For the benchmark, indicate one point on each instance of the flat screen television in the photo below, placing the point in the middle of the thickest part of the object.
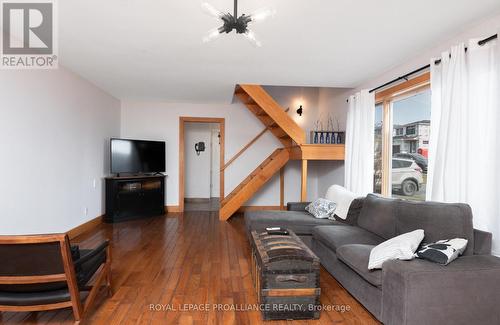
(137, 156)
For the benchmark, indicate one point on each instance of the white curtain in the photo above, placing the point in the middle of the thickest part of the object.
(359, 143)
(464, 153)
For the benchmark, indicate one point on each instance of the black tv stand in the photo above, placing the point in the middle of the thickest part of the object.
(125, 175)
(134, 196)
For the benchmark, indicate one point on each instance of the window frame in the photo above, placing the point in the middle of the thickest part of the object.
(413, 128)
(386, 98)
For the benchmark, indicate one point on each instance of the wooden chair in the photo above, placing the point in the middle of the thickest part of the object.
(43, 272)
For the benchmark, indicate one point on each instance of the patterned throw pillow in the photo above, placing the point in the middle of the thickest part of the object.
(322, 209)
(442, 251)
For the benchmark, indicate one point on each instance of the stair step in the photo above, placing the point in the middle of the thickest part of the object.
(247, 188)
(251, 176)
(253, 106)
(273, 110)
(267, 121)
(245, 98)
(277, 131)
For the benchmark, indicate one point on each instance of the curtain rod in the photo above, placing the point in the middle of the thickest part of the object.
(405, 77)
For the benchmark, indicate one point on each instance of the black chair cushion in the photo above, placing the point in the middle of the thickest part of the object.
(87, 262)
(88, 268)
(33, 298)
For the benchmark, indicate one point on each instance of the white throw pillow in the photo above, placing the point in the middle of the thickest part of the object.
(342, 197)
(401, 247)
(321, 208)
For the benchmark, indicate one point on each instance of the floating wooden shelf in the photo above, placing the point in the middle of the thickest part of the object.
(318, 152)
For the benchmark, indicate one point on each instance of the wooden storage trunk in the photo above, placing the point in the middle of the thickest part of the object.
(286, 276)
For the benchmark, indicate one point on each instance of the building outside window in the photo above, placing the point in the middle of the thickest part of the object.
(416, 137)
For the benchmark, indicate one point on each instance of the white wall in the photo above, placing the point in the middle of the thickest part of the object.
(293, 97)
(332, 103)
(160, 120)
(197, 167)
(54, 131)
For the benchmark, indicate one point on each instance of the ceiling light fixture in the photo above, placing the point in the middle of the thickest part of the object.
(232, 22)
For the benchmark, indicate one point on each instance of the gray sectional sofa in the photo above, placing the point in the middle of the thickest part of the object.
(466, 291)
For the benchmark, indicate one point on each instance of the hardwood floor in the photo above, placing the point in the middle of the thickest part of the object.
(183, 261)
(212, 205)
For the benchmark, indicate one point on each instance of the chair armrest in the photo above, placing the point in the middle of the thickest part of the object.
(482, 242)
(420, 292)
(94, 252)
(297, 206)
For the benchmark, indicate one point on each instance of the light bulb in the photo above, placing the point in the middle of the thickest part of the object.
(211, 10)
(262, 14)
(212, 34)
(252, 38)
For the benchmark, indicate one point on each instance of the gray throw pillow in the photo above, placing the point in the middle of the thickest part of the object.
(322, 209)
(442, 251)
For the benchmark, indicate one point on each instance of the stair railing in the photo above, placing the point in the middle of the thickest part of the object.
(245, 147)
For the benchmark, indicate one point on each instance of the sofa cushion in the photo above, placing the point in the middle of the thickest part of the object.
(339, 235)
(356, 257)
(378, 216)
(299, 222)
(438, 220)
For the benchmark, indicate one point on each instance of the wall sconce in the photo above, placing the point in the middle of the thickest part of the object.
(300, 110)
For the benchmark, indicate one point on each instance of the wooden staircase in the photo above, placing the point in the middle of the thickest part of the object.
(250, 185)
(291, 136)
(271, 114)
(277, 121)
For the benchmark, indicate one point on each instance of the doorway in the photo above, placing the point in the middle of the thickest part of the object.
(201, 158)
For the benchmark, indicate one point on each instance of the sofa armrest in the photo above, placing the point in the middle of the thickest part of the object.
(297, 206)
(482, 242)
(420, 292)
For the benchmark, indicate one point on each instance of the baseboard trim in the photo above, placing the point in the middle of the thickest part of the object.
(196, 200)
(177, 209)
(84, 227)
(172, 209)
(258, 208)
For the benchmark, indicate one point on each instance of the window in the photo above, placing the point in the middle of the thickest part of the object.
(411, 130)
(402, 129)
